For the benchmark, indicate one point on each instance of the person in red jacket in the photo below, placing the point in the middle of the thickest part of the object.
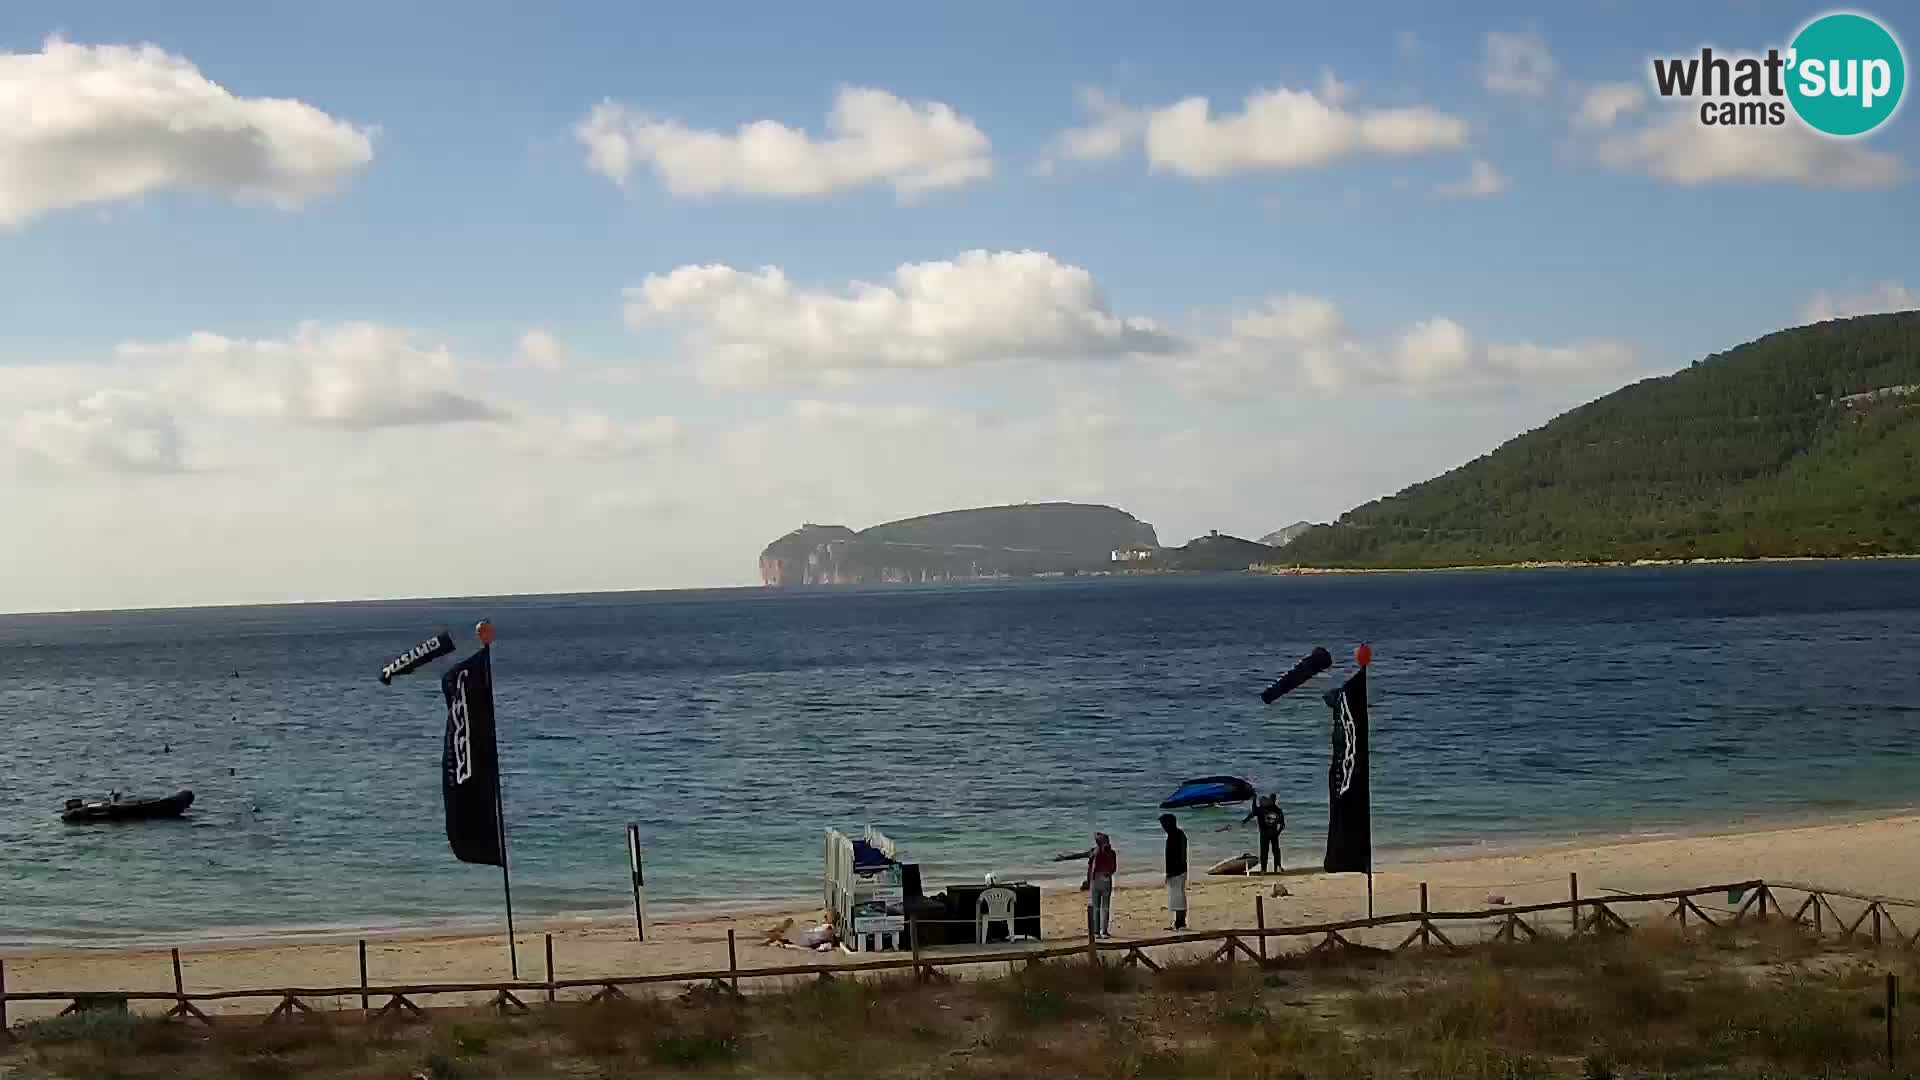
(1102, 863)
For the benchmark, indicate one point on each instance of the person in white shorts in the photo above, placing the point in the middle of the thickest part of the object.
(1176, 871)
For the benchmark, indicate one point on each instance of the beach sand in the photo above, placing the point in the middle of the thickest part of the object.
(1878, 856)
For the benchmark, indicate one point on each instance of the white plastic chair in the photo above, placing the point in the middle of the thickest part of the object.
(996, 905)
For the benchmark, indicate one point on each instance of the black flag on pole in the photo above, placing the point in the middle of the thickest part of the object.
(470, 765)
(1349, 800)
(424, 653)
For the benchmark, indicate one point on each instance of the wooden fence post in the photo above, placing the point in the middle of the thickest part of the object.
(365, 1002)
(1260, 920)
(913, 942)
(6, 1033)
(1426, 934)
(179, 982)
(550, 994)
(1573, 894)
(1893, 1001)
(733, 965)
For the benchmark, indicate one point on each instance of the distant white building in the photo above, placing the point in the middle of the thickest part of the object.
(1136, 553)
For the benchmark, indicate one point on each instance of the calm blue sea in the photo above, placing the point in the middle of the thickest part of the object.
(984, 726)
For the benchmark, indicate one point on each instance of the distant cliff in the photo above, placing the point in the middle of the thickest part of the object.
(993, 541)
(1212, 553)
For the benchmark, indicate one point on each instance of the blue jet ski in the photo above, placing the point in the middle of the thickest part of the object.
(1209, 791)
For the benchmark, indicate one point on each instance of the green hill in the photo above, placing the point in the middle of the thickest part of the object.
(1805, 442)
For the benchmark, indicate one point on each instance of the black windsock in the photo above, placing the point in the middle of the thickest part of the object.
(1315, 662)
(424, 653)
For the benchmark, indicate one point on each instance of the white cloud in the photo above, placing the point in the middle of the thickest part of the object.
(1482, 180)
(1114, 129)
(1433, 350)
(88, 124)
(1582, 358)
(756, 328)
(1275, 130)
(1603, 106)
(637, 502)
(1884, 297)
(1332, 90)
(872, 137)
(589, 435)
(1293, 319)
(1676, 147)
(539, 348)
(351, 375)
(1302, 343)
(110, 431)
(890, 416)
(1518, 64)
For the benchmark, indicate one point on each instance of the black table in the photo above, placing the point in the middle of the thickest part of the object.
(958, 909)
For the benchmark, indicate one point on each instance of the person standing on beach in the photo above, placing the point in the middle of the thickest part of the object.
(1273, 821)
(1102, 863)
(1176, 871)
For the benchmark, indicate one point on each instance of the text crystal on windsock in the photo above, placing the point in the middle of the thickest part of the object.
(1349, 800)
(424, 653)
(470, 763)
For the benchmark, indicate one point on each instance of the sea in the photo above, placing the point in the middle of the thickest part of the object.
(983, 726)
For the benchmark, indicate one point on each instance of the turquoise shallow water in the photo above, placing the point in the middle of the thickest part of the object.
(983, 726)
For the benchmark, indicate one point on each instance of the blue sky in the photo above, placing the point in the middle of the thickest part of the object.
(477, 218)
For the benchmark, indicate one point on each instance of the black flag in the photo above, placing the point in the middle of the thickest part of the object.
(1349, 802)
(470, 765)
(1313, 664)
(424, 653)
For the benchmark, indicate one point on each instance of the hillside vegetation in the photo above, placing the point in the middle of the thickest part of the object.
(1803, 443)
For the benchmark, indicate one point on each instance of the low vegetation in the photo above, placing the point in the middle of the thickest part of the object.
(1775, 1004)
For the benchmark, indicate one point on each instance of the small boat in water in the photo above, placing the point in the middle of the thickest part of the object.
(80, 812)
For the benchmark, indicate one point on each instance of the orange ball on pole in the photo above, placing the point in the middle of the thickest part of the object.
(1363, 655)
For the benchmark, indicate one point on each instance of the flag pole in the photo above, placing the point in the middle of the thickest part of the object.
(484, 631)
(1364, 657)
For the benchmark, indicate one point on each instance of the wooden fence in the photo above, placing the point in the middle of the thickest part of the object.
(1587, 916)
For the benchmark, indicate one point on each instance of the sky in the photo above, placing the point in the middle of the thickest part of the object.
(344, 301)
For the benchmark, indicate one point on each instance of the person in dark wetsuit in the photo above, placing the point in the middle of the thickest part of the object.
(1176, 871)
(1273, 820)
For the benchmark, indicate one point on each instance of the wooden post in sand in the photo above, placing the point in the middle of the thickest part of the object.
(913, 942)
(1260, 921)
(5, 1033)
(1893, 1001)
(733, 965)
(365, 1002)
(1426, 928)
(1573, 894)
(179, 982)
(549, 969)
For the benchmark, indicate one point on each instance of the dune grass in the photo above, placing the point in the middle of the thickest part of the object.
(1774, 1003)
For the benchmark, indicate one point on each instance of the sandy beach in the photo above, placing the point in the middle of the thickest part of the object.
(1877, 856)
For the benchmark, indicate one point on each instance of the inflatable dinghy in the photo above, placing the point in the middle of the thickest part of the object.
(1209, 791)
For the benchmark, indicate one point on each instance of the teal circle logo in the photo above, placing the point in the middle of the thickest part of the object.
(1845, 74)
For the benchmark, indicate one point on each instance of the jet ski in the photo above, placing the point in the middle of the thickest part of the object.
(81, 812)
